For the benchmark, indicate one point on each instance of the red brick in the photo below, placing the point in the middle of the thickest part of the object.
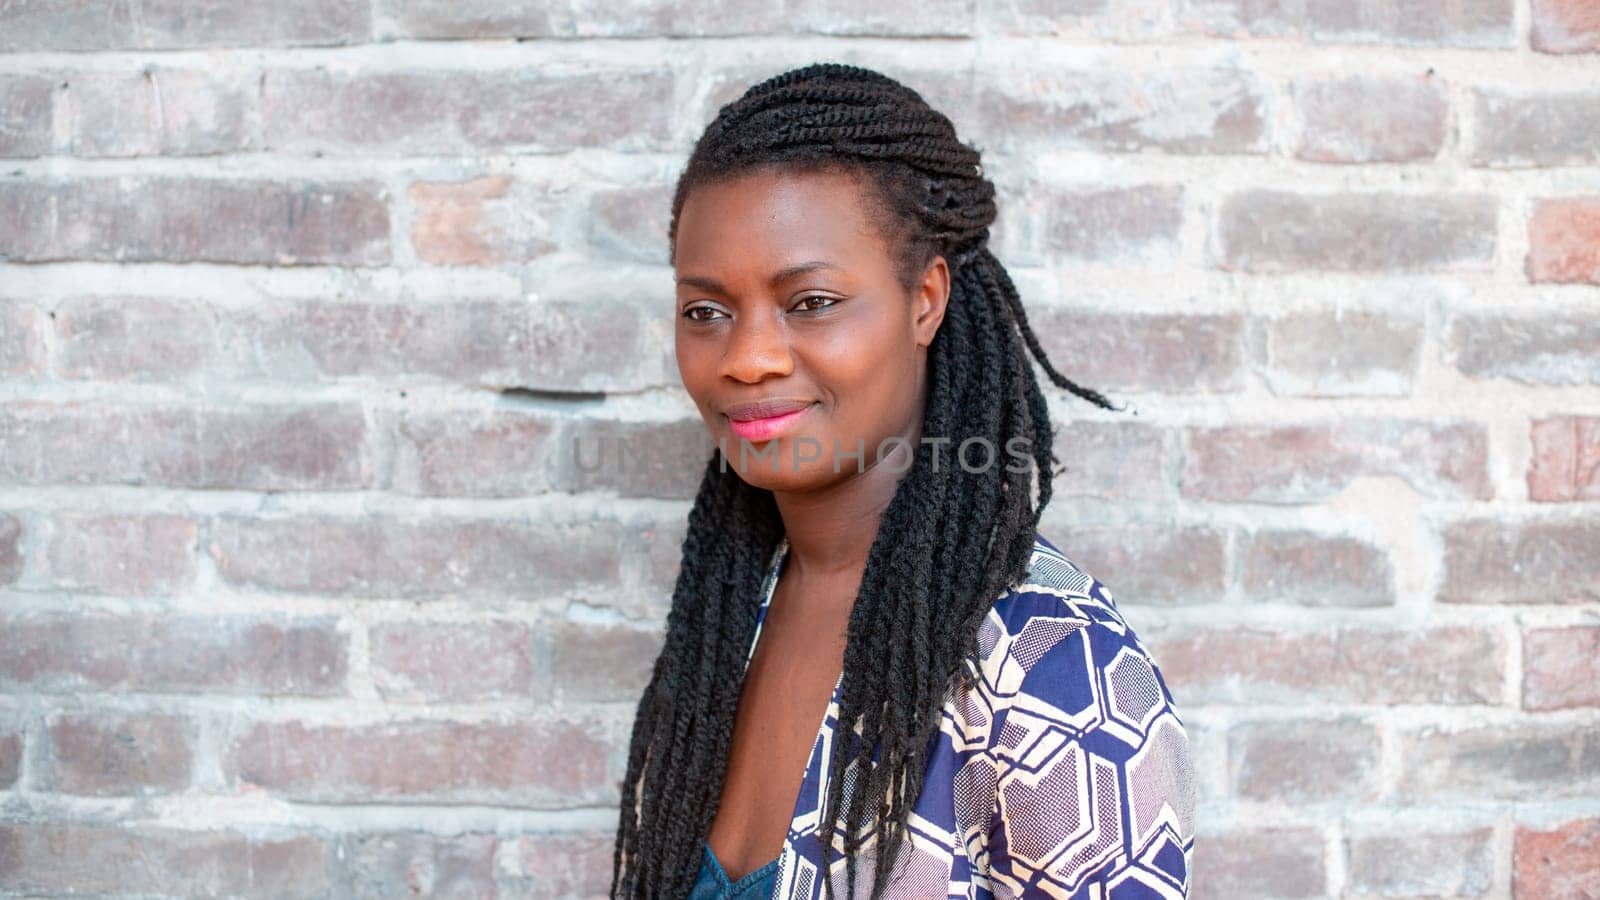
(633, 459)
(237, 446)
(416, 864)
(110, 755)
(176, 219)
(22, 348)
(1295, 763)
(1547, 561)
(1390, 863)
(10, 756)
(1523, 128)
(1365, 119)
(1260, 862)
(1502, 761)
(630, 223)
(160, 111)
(545, 761)
(47, 857)
(1116, 460)
(1166, 352)
(12, 555)
(171, 24)
(1269, 231)
(646, 18)
(940, 18)
(1564, 241)
(1340, 353)
(244, 655)
(1252, 665)
(1565, 26)
(117, 553)
(600, 662)
(1117, 224)
(133, 338)
(1311, 569)
(480, 222)
(1560, 863)
(26, 126)
(1536, 349)
(1561, 667)
(559, 865)
(1181, 111)
(663, 554)
(549, 345)
(1566, 459)
(474, 453)
(1308, 462)
(446, 661)
(435, 558)
(1150, 564)
(1470, 23)
(1105, 20)
(527, 110)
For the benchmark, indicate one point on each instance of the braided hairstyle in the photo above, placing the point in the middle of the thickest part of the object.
(948, 545)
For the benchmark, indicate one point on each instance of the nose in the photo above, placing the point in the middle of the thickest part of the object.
(758, 348)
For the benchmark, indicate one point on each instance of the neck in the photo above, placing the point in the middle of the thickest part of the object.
(830, 531)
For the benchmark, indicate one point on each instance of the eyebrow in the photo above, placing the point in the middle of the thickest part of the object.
(782, 275)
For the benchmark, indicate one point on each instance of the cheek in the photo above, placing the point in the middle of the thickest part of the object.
(867, 368)
(697, 367)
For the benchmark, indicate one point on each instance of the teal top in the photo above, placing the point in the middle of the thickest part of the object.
(713, 883)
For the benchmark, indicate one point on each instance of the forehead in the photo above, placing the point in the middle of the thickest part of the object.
(764, 219)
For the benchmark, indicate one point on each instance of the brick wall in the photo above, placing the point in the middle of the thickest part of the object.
(303, 303)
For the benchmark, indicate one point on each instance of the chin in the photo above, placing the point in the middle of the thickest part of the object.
(758, 469)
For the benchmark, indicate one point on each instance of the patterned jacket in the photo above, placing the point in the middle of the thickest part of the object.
(1064, 772)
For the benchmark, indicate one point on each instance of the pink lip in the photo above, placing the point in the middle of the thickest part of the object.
(767, 428)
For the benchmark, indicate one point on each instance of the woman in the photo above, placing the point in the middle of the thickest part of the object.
(863, 550)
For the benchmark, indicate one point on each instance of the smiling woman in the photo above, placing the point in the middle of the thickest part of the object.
(878, 678)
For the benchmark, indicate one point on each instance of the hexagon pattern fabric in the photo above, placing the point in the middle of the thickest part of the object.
(1063, 772)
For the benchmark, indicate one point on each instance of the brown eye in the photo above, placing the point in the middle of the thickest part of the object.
(690, 313)
(805, 303)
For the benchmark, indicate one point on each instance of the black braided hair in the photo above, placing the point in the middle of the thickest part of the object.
(949, 543)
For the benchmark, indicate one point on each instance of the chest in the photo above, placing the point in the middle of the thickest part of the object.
(789, 683)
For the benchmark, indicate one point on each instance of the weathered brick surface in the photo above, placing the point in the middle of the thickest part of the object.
(1261, 862)
(1537, 349)
(542, 762)
(178, 219)
(118, 755)
(1561, 667)
(345, 468)
(1564, 241)
(1339, 353)
(1473, 23)
(1565, 26)
(1562, 863)
(1301, 463)
(1566, 459)
(1305, 762)
(1446, 665)
(1534, 128)
(436, 661)
(181, 654)
(44, 857)
(26, 126)
(1280, 231)
(1443, 864)
(1537, 561)
(1368, 120)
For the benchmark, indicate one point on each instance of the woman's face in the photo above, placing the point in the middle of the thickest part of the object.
(793, 335)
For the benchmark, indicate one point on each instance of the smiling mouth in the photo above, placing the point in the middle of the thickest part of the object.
(767, 428)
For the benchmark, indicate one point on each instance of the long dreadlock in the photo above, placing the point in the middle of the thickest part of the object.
(948, 544)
